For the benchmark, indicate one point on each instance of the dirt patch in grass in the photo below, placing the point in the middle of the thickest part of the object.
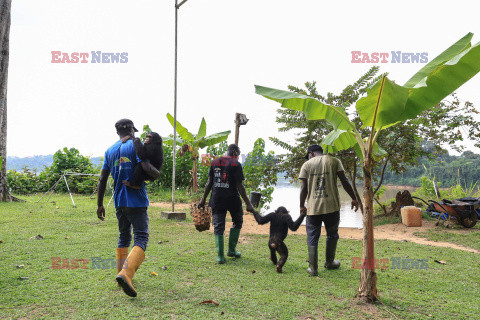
(179, 206)
(396, 231)
(244, 240)
(360, 309)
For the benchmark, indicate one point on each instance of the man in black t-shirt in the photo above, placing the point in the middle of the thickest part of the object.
(225, 179)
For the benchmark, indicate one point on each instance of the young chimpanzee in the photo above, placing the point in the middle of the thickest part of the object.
(280, 222)
(151, 150)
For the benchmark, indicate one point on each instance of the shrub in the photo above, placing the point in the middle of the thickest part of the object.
(260, 172)
(70, 160)
(25, 182)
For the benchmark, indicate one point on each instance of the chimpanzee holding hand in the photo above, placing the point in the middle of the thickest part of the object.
(150, 150)
(280, 222)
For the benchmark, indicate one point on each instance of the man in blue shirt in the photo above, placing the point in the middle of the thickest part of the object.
(130, 204)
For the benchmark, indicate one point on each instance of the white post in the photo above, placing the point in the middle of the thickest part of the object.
(175, 112)
(64, 177)
(177, 6)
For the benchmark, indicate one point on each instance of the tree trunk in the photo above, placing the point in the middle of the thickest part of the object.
(367, 290)
(5, 6)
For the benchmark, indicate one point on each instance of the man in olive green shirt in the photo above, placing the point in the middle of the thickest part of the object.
(319, 187)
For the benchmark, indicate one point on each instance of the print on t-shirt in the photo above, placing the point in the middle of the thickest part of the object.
(320, 190)
(220, 178)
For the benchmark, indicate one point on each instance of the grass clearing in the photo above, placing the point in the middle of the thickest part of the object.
(245, 288)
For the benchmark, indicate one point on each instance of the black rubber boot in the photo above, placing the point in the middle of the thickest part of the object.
(312, 261)
(331, 248)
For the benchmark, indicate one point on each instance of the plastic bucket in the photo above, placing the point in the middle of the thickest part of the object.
(255, 198)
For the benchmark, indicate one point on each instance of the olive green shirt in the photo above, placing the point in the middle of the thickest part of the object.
(321, 175)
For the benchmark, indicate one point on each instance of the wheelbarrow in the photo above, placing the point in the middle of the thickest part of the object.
(462, 210)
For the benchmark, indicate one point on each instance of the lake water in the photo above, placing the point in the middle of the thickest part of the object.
(288, 195)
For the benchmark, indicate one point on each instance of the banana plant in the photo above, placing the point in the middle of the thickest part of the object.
(385, 104)
(192, 143)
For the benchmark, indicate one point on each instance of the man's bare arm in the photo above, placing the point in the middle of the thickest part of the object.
(243, 194)
(208, 187)
(102, 185)
(303, 195)
(348, 188)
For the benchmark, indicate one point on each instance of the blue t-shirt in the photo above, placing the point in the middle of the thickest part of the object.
(121, 159)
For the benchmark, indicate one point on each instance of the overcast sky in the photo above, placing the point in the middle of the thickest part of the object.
(225, 47)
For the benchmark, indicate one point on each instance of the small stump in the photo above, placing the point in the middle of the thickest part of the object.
(174, 215)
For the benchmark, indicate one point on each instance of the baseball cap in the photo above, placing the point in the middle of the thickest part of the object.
(124, 124)
(312, 148)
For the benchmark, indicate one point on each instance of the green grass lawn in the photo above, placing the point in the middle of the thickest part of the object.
(245, 288)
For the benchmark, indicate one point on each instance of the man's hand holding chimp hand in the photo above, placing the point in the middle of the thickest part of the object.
(303, 210)
(250, 208)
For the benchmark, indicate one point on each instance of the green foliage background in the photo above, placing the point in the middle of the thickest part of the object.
(64, 160)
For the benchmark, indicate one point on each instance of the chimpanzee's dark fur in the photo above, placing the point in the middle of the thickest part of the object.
(280, 222)
(152, 151)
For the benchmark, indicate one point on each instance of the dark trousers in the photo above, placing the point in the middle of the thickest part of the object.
(314, 224)
(136, 218)
(219, 213)
(277, 245)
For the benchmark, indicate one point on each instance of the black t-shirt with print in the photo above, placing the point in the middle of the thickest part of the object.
(225, 173)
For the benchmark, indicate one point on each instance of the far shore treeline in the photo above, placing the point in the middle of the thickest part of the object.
(448, 170)
(39, 173)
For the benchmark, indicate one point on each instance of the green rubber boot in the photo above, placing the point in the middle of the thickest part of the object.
(232, 243)
(219, 245)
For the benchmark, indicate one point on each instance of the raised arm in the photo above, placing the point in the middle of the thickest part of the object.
(260, 219)
(140, 149)
(295, 225)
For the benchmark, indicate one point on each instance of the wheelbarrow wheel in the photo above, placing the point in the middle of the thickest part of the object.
(468, 220)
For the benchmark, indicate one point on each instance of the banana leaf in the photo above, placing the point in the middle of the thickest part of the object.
(441, 82)
(450, 53)
(387, 103)
(169, 141)
(202, 131)
(382, 104)
(213, 139)
(338, 140)
(181, 130)
(312, 108)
